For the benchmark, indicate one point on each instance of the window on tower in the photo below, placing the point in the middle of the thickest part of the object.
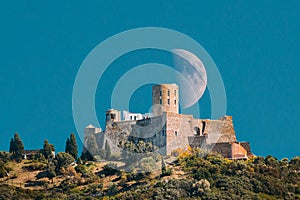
(160, 101)
(160, 93)
(168, 92)
(169, 101)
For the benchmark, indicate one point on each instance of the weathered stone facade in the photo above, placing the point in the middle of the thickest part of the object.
(165, 99)
(169, 130)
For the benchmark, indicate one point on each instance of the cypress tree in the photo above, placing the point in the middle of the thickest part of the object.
(68, 149)
(71, 146)
(86, 155)
(47, 149)
(51, 170)
(107, 150)
(163, 166)
(12, 146)
(16, 147)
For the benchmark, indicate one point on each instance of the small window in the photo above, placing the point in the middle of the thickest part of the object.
(134, 117)
(175, 101)
(160, 93)
(197, 131)
(176, 133)
(130, 117)
(160, 101)
(175, 92)
(169, 101)
(203, 127)
(168, 92)
(113, 116)
(163, 132)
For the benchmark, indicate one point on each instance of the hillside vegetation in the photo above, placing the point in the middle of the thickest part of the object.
(191, 175)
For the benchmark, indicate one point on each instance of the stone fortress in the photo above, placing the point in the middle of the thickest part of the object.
(166, 129)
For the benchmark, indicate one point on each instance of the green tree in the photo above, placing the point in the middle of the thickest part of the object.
(51, 170)
(163, 166)
(47, 149)
(112, 189)
(12, 146)
(107, 150)
(62, 161)
(71, 146)
(86, 155)
(16, 147)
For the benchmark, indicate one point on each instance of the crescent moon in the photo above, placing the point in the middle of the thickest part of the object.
(192, 68)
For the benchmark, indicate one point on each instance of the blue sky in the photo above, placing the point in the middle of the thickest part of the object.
(255, 45)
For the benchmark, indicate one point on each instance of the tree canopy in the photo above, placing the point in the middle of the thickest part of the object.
(48, 149)
(16, 147)
(71, 146)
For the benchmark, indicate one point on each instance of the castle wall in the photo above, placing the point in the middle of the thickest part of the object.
(178, 129)
(238, 151)
(220, 131)
(246, 146)
(169, 132)
(229, 150)
(222, 148)
(150, 130)
(182, 127)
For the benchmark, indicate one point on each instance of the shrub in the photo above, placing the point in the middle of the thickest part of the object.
(110, 169)
(112, 189)
(167, 172)
(34, 167)
(3, 171)
(201, 173)
(201, 187)
(80, 168)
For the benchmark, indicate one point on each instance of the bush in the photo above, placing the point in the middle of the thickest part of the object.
(81, 169)
(112, 189)
(201, 173)
(3, 172)
(62, 161)
(110, 169)
(34, 167)
(39, 157)
(201, 187)
(167, 172)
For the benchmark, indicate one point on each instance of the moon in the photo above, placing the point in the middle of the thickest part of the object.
(193, 70)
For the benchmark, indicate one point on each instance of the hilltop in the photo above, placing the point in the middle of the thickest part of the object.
(190, 175)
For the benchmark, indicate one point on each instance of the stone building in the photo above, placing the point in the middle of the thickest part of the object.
(167, 129)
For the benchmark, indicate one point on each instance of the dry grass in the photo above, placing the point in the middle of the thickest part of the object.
(18, 176)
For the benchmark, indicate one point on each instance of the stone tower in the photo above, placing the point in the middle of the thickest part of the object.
(164, 99)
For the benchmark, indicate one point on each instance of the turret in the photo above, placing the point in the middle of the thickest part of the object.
(113, 115)
(165, 98)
